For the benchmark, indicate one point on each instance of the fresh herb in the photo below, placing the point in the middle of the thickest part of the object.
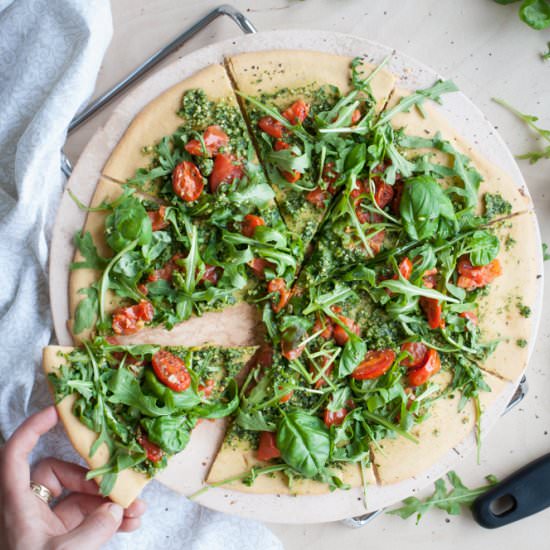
(449, 500)
(530, 120)
(535, 13)
(521, 343)
(545, 254)
(524, 311)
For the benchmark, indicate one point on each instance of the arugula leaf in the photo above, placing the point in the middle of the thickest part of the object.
(304, 442)
(450, 501)
(434, 93)
(85, 245)
(532, 156)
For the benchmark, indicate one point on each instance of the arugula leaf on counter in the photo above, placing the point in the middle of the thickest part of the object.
(530, 120)
(449, 500)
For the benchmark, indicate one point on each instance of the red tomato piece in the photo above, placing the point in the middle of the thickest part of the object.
(377, 241)
(187, 181)
(417, 352)
(327, 371)
(472, 277)
(330, 176)
(264, 356)
(430, 278)
(214, 138)
(211, 274)
(375, 364)
(290, 353)
(154, 452)
(271, 127)
(259, 265)
(383, 193)
(324, 324)
(405, 268)
(224, 171)
(431, 365)
(339, 333)
(171, 371)
(291, 177)
(297, 112)
(286, 397)
(129, 320)
(267, 448)
(469, 316)
(157, 218)
(281, 145)
(355, 116)
(207, 387)
(334, 418)
(279, 285)
(250, 222)
(397, 194)
(433, 311)
(318, 197)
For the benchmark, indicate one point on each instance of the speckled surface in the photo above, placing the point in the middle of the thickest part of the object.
(488, 52)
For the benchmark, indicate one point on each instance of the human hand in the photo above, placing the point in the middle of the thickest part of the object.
(82, 520)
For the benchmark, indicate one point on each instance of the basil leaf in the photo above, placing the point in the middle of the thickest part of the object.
(304, 442)
(483, 247)
(536, 13)
(171, 434)
(251, 419)
(128, 222)
(184, 400)
(354, 352)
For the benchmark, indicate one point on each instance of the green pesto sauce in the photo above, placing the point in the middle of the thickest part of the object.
(495, 205)
(524, 311)
(521, 342)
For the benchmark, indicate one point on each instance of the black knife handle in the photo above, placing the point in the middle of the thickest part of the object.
(526, 492)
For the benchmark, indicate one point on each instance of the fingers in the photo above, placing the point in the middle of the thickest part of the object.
(96, 529)
(56, 474)
(15, 468)
(73, 509)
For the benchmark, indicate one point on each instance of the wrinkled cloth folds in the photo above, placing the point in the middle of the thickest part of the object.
(50, 55)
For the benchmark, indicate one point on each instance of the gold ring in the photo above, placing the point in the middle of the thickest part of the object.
(43, 493)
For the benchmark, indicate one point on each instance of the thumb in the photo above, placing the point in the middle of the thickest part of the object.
(96, 529)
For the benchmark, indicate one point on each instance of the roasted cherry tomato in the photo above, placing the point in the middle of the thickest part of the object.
(326, 370)
(432, 309)
(264, 356)
(250, 222)
(166, 271)
(171, 370)
(471, 277)
(469, 316)
(211, 274)
(224, 171)
(267, 448)
(417, 352)
(292, 342)
(279, 285)
(429, 278)
(334, 418)
(375, 364)
(330, 176)
(377, 241)
(355, 116)
(207, 387)
(397, 194)
(405, 268)
(154, 452)
(271, 127)
(286, 397)
(214, 138)
(157, 218)
(291, 177)
(128, 320)
(339, 333)
(383, 193)
(297, 112)
(318, 197)
(259, 265)
(187, 181)
(324, 324)
(281, 145)
(431, 365)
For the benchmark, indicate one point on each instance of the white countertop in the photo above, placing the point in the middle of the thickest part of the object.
(487, 51)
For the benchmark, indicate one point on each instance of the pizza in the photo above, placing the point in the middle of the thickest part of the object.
(291, 243)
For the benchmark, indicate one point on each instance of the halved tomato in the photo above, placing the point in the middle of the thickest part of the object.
(355, 116)
(433, 311)
(431, 365)
(154, 452)
(375, 364)
(267, 448)
(271, 127)
(171, 370)
(129, 320)
(187, 181)
(279, 285)
(469, 316)
(259, 265)
(157, 218)
(214, 138)
(250, 222)
(291, 177)
(211, 274)
(318, 197)
(417, 352)
(297, 112)
(383, 193)
(405, 268)
(225, 170)
(334, 418)
(472, 277)
(339, 333)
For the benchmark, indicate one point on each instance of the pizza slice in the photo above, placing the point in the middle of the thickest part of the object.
(128, 409)
(298, 104)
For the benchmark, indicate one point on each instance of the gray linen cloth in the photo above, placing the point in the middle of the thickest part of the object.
(50, 54)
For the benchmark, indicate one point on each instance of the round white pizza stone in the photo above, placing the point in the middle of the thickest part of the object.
(187, 470)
